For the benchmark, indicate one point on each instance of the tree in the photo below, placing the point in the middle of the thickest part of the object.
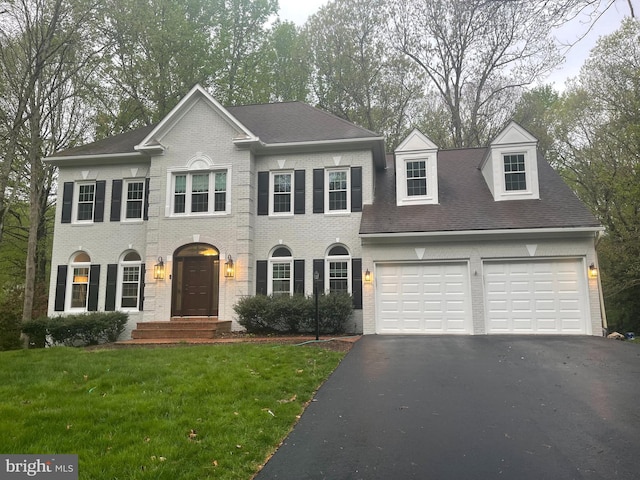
(478, 55)
(599, 150)
(537, 111)
(45, 55)
(355, 73)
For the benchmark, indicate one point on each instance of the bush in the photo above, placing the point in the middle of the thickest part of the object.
(78, 330)
(37, 332)
(295, 314)
(9, 331)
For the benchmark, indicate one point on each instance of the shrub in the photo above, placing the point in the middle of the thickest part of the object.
(36, 330)
(9, 331)
(295, 314)
(78, 330)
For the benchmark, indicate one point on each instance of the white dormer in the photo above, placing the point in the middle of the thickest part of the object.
(510, 167)
(416, 171)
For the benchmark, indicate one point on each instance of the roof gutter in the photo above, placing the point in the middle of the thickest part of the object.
(74, 158)
(470, 233)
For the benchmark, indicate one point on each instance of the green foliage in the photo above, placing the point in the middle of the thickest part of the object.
(295, 314)
(187, 413)
(78, 330)
(9, 331)
(37, 331)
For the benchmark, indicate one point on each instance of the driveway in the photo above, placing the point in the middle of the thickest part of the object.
(471, 407)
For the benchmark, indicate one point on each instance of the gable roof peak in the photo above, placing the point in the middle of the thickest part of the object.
(513, 132)
(416, 141)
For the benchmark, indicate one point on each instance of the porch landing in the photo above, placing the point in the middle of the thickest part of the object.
(179, 330)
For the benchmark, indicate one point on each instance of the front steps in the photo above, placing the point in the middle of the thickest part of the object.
(181, 329)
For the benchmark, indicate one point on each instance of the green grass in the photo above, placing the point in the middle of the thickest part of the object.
(185, 412)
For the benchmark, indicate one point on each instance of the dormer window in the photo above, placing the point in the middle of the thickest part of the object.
(510, 166)
(416, 171)
(514, 173)
(416, 178)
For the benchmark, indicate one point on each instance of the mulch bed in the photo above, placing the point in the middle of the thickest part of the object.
(335, 343)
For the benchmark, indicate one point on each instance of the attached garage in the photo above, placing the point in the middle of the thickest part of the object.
(423, 298)
(536, 297)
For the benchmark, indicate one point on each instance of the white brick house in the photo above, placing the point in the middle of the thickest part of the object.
(451, 242)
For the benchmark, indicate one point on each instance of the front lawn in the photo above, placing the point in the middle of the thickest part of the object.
(214, 411)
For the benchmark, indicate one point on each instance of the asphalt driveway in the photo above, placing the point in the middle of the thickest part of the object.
(472, 407)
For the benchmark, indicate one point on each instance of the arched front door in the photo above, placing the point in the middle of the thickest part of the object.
(195, 281)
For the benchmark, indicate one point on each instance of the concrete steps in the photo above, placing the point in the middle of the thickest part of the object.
(181, 328)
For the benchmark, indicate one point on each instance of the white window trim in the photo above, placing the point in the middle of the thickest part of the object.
(123, 202)
(76, 199)
(527, 174)
(170, 199)
(272, 174)
(274, 260)
(327, 172)
(121, 265)
(431, 170)
(338, 258)
(69, 289)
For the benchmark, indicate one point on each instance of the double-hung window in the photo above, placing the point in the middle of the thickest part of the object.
(85, 202)
(134, 200)
(282, 191)
(337, 192)
(515, 178)
(201, 193)
(80, 269)
(339, 270)
(281, 269)
(416, 178)
(130, 269)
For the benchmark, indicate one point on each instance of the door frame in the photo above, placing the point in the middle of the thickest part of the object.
(202, 252)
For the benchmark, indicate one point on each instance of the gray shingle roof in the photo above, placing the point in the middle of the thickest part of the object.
(122, 143)
(466, 203)
(289, 122)
(292, 122)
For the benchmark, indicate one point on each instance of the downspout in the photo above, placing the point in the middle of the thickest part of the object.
(603, 313)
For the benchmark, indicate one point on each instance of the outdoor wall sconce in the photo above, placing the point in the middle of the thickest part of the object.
(229, 268)
(158, 270)
(593, 271)
(367, 276)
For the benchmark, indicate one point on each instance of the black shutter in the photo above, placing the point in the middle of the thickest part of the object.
(318, 190)
(67, 202)
(94, 283)
(145, 215)
(356, 282)
(112, 283)
(356, 189)
(98, 215)
(261, 277)
(298, 199)
(116, 200)
(141, 293)
(298, 276)
(318, 266)
(61, 288)
(263, 193)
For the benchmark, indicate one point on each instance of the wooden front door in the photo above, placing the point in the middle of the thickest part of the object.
(195, 286)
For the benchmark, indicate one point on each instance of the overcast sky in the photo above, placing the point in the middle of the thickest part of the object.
(298, 11)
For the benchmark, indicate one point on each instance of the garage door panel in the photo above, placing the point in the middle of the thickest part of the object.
(551, 300)
(430, 298)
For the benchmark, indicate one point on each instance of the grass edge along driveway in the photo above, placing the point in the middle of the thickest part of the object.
(197, 412)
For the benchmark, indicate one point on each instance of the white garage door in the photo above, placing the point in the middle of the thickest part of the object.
(543, 297)
(423, 298)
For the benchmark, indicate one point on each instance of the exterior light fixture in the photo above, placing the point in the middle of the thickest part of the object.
(158, 270)
(593, 271)
(367, 276)
(229, 268)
